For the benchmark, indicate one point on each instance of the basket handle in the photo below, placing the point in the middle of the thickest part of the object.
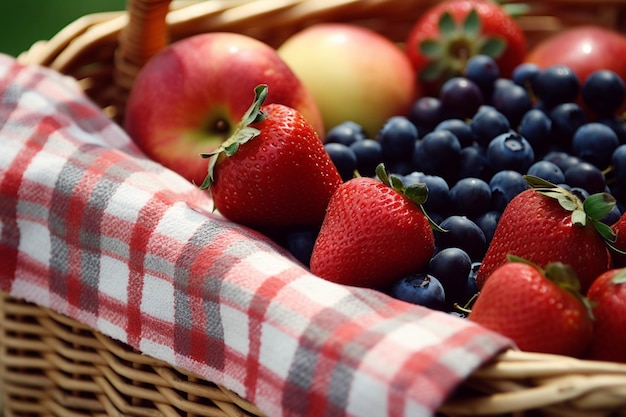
(145, 34)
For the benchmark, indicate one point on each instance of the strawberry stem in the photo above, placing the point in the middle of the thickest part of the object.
(242, 134)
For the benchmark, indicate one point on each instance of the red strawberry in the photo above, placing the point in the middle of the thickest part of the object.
(374, 233)
(541, 311)
(449, 33)
(274, 170)
(547, 224)
(619, 255)
(608, 292)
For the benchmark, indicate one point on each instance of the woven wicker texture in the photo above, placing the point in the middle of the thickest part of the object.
(52, 365)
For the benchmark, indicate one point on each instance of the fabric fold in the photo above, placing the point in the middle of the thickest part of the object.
(93, 229)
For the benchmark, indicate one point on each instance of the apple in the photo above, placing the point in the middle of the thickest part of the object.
(353, 72)
(189, 97)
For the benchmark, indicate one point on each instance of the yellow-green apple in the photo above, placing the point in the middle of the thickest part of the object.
(189, 97)
(353, 72)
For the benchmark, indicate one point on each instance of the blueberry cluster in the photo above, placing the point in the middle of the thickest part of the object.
(472, 145)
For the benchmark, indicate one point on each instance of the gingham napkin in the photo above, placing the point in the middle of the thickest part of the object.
(93, 229)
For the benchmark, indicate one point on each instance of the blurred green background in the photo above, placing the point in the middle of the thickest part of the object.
(23, 22)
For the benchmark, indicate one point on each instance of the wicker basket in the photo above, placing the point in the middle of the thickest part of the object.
(53, 365)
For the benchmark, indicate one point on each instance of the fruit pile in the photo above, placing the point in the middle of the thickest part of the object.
(458, 171)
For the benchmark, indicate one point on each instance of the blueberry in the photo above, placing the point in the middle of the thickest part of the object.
(474, 163)
(437, 153)
(524, 74)
(421, 289)
(556, 84)
(613, 216)
(299, 241)
(510, 151)
(512, 101)
(536, 126)
(488, 222)
(463, 233)
(618, 162)
(345, 133)
(461, 129)
(547, 170)
(487, 124)
(595, 142)
(397, 138)
(562, 159)
(470, 197)
(617, 124)
(603, 92)
(460, 98)
(344, 159)
(438, 191)
(369, 153)
(426, 113)
(451, 266)
(587, 176)
(482, 70)
(566, 118)
(505, 185)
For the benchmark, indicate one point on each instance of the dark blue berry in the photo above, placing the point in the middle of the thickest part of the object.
(437, 153)
(470, 197)
(536, 126)
(547, 170)
(438, 191)
(595, 142)
(510, 151)
(566, 118)
(345, 133)
(461, 129)
(451, 266)
(618, 162)
(562, 159)
(487, 124)
(460, 98)
(556, 84)
(397, 138)
(463, 233)
(488, 222)
(603, 92)
(344, 159)
(587, 176)
(299, 241)
(474, 163)
(512, 101)
(482, 70)
(421, 289)
(426, 113)
(505, 185)
(524, 74)
(369, 153)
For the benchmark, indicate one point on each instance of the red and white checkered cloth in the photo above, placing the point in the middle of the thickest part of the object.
(93, 229)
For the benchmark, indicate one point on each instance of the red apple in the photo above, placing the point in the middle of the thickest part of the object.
(190, 96)
(353, 72)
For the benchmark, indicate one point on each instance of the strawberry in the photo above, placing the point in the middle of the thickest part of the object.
(546, 224)
(619, 246)
(449, 33)
(541, 311)
(374, 233)
(273, 171)
(608, 293)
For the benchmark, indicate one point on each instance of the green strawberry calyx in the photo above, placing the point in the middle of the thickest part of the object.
(242, 134)
(592, 210)
(447, 55)
(563, 276)
(417, 193)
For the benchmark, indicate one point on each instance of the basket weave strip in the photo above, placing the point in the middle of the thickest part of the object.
(51, 364)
